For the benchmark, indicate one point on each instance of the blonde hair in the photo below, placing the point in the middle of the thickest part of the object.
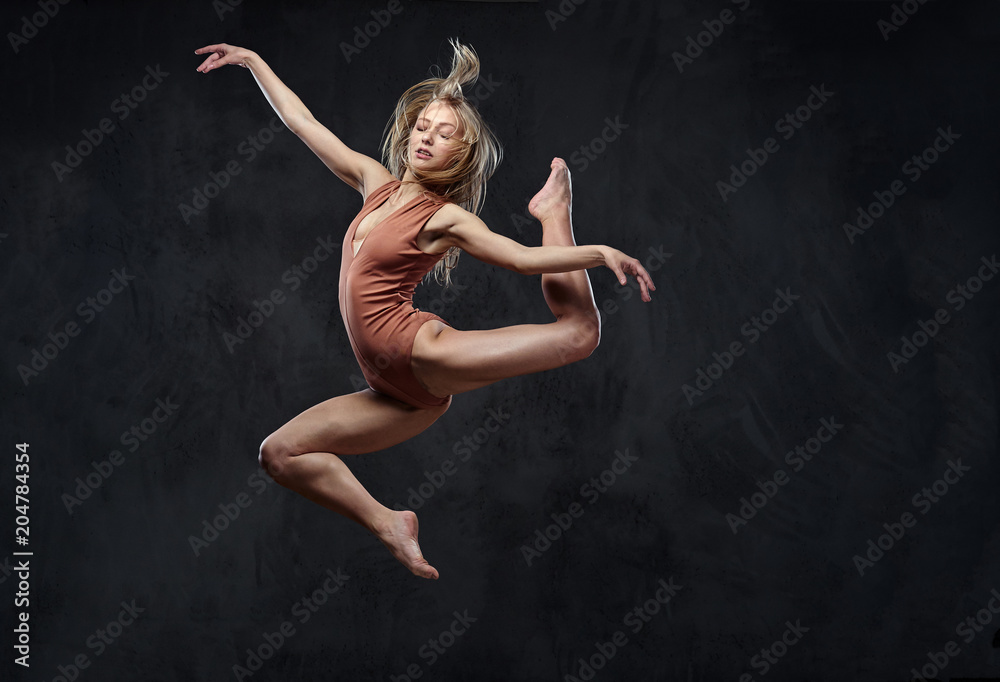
(478, 152)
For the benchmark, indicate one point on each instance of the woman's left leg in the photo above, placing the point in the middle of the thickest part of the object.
(303, 456)
(448, 361)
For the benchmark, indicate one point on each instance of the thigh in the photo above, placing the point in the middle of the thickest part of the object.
(355, 423)
(449, 361)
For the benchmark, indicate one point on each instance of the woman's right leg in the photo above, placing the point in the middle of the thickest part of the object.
(300, 456)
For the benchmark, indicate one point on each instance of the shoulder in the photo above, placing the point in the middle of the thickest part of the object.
(445, 227)
(378, 183)
(448, 215)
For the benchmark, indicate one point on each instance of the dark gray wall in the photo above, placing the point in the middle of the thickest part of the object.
(156, 350)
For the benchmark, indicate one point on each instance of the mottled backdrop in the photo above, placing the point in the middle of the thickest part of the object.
(784, 467)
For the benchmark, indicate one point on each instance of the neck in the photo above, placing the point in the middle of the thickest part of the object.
(410, 186)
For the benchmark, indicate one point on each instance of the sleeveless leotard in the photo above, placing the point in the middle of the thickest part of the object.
(376, 294)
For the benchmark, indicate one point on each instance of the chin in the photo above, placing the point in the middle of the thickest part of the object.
(426, 166)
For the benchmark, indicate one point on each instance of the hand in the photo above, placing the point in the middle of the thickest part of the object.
(622, 264)
(222, 54)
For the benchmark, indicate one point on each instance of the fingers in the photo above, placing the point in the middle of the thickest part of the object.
(642, 277)
(645, 291)
(645, 279)
(641, 281)
(220, 54)
(215, 52)
(207, 64)
(214, 61)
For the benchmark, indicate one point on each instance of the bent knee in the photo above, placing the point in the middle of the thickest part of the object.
(274, 455)
(594, 338)
(583, 337)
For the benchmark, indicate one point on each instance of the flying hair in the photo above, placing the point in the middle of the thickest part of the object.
(478, 154)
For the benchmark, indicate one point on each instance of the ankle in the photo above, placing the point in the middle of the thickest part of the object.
(381, 525)
(558, 211)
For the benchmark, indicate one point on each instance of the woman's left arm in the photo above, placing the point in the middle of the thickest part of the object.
(469, 233)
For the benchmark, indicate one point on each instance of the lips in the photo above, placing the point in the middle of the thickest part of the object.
(423, 153)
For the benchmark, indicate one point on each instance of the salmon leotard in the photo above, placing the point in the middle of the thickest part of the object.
(376, 294)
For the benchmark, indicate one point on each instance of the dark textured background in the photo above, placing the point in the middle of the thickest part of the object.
(654, 186)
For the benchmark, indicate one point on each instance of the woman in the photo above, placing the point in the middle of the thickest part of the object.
(419, 211)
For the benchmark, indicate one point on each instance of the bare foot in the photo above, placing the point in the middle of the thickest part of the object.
(400, 536)
(556, 195)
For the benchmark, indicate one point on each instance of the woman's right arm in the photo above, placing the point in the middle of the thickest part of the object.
(468, 232)
(359, 171)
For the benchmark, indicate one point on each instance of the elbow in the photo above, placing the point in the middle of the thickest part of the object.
(297, 122)
(293, 123)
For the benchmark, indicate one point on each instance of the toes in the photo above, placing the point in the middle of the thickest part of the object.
(420, 567)
(425, 570)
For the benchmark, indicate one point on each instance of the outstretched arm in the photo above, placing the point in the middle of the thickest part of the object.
(357, 170)
(469, 233)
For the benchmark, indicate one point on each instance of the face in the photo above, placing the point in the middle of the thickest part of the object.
(435, 137)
